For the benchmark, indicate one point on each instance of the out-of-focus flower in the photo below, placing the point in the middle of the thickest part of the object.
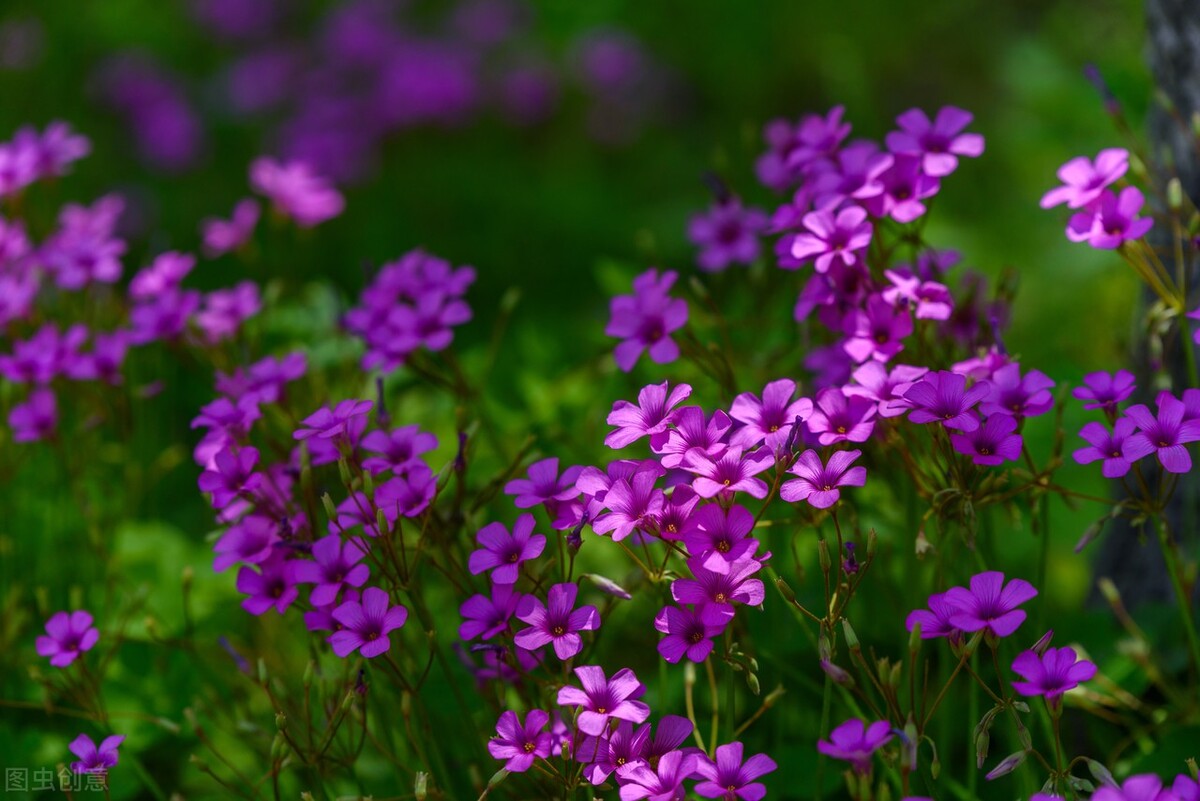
(1084, 180)
(68, 635)
(296, 191)
(644, 320)
(727, 234)
(938, 143)
(855, 742)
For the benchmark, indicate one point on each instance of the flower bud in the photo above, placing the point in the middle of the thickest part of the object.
(752, 683)
(1043, 643)
(330, 506)
(1101, 773)
(1191, 766)
(837, 674)
(421, 785)
(498, 777)
(262, 671)
(281, 721)
(608, 585)
(785, 591)
(1174, 195)
(851, 637)
(914, 639)
(1007, 765)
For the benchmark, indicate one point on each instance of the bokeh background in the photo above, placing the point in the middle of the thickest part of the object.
(559, 147)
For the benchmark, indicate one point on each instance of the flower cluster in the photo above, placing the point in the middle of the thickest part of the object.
(1128, 438)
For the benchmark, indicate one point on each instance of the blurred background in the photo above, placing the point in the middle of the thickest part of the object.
(558, 147)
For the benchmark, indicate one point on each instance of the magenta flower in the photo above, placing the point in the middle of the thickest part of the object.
(938, 143)
(486, 617)
(1143, 787)
(819, 484)
(718, 537)
(231, 476)
(272, 585)
(1018, 395)
(690, 632)
(663, 784)
(905, 186)
(1105, 390)
(1051, 674)
(502, 552)
(990, 603)
(839, 417)
(769, 420)
(399, 450)
(93, 758)
(833, 240)
(164, 274)
(336, 565)
(1167, 434)
(603, 700)
(250, 540)
(852, 174)
(729, 778)
(408, 495)
(720, 589)
(1106, 445)
(544, 484)
(652, 414)
(935, 621)
(793, 149)
(223, 236)
(730, 472)
(727, 234)
(337, 423)
(645, 320)
(691, 432)
(621, 749)
(875, 383)
(68, 635)
(877, 332)
(296, 191)
(943, 397)
(991, 443)
(36, 418)
(366, 623)
(557, 622)
(521, 743)
(1112, 222)
(929, 300)
(1083, 180)
(225, 310)
(634, 503)
(855, 742)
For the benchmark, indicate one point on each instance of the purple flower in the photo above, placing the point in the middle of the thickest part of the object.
(935, 621)
(1052, 673)
(729, 778)
(43, 356)
(929, 300)
(792, 149)
(486, 617)
(521, 743)
(84, 249)
(603, 700)
(1105, 390)
(663, 784)
(990, 603)
(769, 420)
(251, 540)
(544, 484)
(68, 635)
(1167, 434)
(1083, 180)
(232, 475)
(223, 236)
(336, 564)
(652, 414)
(991, 443)
(852, 174)
(336, 423)
(1112, 221)
(163, 316)
(164, 274)
(1106, 445)
(818, 484)
(1017, 395)
(225, 310)
(937, 143)
(296, 191)
(730, 472)
(691, 432)
(265, 378)
(727, 234)
(720, 589)
(833, 240)
(621, 748)
(645, 320)
(36, 418)
(875, 383)
(367, 623)
(50, 153)
(720, 537)
(1143, 787)
(855, 742)
(399, 449)
(93, 758)
(876, 333)
(272, 585)
(408, 495)
(839, 417)
(558, 622)
(105, 360)
(502, 552)
(690, 631)
(943, 397)
(634, 502)
(905, 185)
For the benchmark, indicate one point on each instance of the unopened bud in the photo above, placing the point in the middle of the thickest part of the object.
(914, 639)
(344, 471)
(1101, 773)
(1043, 643)
(752, 683)
(837, 674)
(1007, 765)
(1174, 194)
(281, 721)
(608, 585)
(421, 785)
(983, 741)
(498, 777)
(1191, 761)
(851, 637)
(262, 671)
(785, 591)
(330, 506)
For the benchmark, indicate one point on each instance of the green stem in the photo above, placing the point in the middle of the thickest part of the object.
(1181, 594)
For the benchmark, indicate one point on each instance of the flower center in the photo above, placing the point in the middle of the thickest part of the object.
(719, 597)
(558, 631)
(529, 748)
(600, 710)
(723, 546)
(695, 637)
(841, 429)
(985, 451)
